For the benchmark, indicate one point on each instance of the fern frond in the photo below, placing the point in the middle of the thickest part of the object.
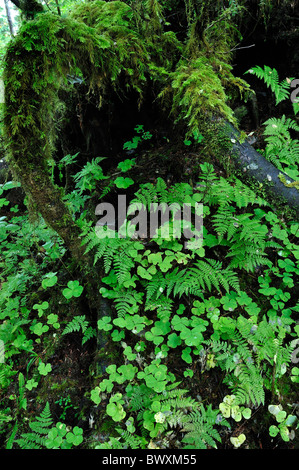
(131, 441)
(200, 431)
(125, 300)
(40, 428)
(270, 76)
(76, 324)
(163, 306)
(224, 222)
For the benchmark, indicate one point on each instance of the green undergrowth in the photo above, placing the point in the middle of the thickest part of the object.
(185, 316)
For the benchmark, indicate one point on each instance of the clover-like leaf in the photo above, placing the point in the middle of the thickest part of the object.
(117, 335)
(30, 384)
(115, 410)
(126, 164)
(73, 289)
(238, 441)
(246, 412)
(186, 356)
(52, 319)
(41, 307)
(105, 323)
(144, 273)
(174, 340)
(95, 395)
(75, 437)
(273, 431)
(44, 369)
(49, 280)
(123, 183)
(129, 353)
(39, 328)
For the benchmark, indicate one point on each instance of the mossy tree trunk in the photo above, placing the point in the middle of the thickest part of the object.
(48, 202)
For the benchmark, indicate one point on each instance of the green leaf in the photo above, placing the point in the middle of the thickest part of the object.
(73, 289)
(30, 384)
(123, 183)
(52, 319)
(49, 280)
(41, 307)
(105, 323)
(174, 340)
(186, 355)
(238, 441)
(281, 416)
(246, 413)
(39, 328)
(142, 272)
(273, 431)
(126, 164)
(44, 369)
(95, 395)
(116, 411)
(75, 437)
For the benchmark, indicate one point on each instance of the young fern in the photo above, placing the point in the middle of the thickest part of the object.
(80, 323)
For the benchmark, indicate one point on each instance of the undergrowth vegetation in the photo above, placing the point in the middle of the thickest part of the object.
(183, 320)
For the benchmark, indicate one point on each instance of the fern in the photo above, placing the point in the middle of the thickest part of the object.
(115, 252)
(281, 89)
(203, 275)
(87, 178)
(80, 323)
(244, 355)
(126, 301)
(237, 357)
(200, 430)
(223, 192)
(40, 429)
(249, 387)
(224, 222)
(131, 441)
(173, 403)
(247, 238)
(281, 149)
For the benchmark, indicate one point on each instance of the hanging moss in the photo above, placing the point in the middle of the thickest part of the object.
(104, 42)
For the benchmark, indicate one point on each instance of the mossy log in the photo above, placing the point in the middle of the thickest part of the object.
(277, 184)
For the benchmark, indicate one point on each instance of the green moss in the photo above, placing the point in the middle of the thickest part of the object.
(106, 44)
(294, 184)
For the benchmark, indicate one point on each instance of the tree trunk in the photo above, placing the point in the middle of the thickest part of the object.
(48, 202)
(9, 18)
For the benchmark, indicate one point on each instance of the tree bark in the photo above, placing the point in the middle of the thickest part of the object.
(9, 18)
(28, 7)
